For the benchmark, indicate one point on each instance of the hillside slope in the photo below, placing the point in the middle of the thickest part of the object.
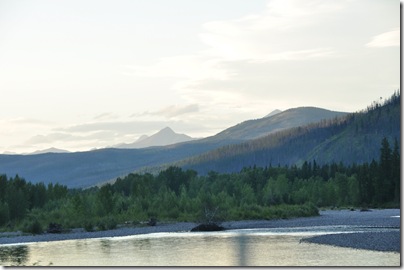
(354, 138)
(294, 117)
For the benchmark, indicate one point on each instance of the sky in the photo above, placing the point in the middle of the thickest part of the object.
(85, 74)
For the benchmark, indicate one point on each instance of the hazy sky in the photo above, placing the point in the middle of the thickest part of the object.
(84, 74)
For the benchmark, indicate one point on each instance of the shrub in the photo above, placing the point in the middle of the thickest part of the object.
(32, 226)
(106, 223)
(88, 226)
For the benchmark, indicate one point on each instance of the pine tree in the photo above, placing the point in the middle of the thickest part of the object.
(384, 182)
(395, 171)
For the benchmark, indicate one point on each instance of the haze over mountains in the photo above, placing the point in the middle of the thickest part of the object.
(49, 150)
(164, 137)
(285, 138)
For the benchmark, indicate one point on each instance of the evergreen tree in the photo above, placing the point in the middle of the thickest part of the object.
(366, 188)
(105, 200)
(384, 182)
(395, 171)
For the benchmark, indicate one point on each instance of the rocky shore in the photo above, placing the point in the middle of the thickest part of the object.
(379, 229)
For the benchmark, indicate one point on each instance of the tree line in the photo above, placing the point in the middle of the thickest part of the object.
(176, 194)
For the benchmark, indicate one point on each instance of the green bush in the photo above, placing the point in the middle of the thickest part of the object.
(88, 226)
(32, 226)
(107, 223)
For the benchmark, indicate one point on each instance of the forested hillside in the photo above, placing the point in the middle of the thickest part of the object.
(84, 169)
(354, 138)
(182, 195)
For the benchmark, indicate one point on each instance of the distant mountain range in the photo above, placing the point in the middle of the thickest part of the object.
(164, 137)
(49, 150)
(284, 138)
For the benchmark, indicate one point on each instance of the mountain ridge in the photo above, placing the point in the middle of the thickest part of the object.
(252, 129)
(164, 137)
(274, 112)
(49, 150)
(84, 169)
(354, 138)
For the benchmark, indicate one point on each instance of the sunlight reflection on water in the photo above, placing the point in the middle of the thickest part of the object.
(253, 247)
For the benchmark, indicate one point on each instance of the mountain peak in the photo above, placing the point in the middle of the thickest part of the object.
(167, 130)
(141, 138)
(274, 112)
(276, 121)
(164, 137)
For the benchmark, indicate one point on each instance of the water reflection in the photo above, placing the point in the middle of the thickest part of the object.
(143, 244)
(230, 248)
(105, 246)
(242, 245)
(14, 255)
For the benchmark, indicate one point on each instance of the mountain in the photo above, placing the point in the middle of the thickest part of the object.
(164, 137)
(273, 113)
(10, 153)
(141, 138)
(294, 117)
(49, 150)
(228, 150)
(353, 138)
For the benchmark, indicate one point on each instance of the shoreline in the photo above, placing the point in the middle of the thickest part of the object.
(378, 219)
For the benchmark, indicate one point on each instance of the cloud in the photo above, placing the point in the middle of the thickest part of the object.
(26, 121)
(182, 66)
(120, 127)
(256, 37)
(128, 128)
(51, 138)
(288, 54)
(271, 36)
(105, 116)
(300, 55)
(388, 39)
(271, 33)
(74, 141)
(175, 110)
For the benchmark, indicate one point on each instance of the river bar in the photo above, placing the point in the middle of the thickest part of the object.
(384, 225)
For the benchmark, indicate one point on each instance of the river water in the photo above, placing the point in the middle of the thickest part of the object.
(251, 247)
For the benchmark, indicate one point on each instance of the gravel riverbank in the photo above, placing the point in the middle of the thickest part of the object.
(387, 220)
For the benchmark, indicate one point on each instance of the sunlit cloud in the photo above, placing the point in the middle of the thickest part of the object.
(388, 39)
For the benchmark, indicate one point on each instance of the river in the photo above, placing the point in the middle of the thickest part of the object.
(244, 247)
